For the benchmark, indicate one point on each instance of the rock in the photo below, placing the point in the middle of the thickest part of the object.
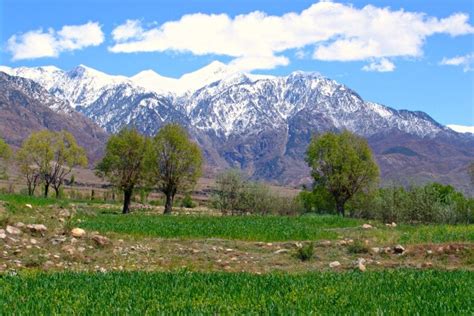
(37, 228)
(19, 225)
(279, 251)
(58, 240)
(334, 264)
(361, 260)
(398, 249)
(361, 267)
(81, 249)
(48, 264)
(325, 243)
(394, 224)
(69, 249)
(29, 206)
(33, 241)
(64, 213)
(78, 232)
(367, 226)
(13, 230)
(101, 240)
(3, 235)
(427, 264)
(429, 252)
(375, 250)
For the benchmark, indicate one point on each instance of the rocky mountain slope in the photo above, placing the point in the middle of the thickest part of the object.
(25, 106)
(262, 124)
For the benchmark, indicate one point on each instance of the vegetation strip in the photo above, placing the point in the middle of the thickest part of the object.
(268, 228)
(139, 293)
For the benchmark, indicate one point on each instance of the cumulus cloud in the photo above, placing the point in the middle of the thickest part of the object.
(38, 43)
(335, 31)
(382, 65)
(465, 61)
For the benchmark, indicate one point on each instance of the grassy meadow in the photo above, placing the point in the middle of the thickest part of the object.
(140, 293)
(204, 263)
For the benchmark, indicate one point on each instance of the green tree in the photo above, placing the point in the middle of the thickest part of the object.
(123, 162)
(5, 156)
(174, 162)
(343, 164)
(53, 155)
(228, 191)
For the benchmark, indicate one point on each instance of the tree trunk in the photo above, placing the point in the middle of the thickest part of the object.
(127, 196)
(56, 190)
(169, 203)
(340, 208)
(30, 189)
(46, 190)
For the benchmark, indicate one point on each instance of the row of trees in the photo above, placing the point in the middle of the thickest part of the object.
(342, 164)
(169, 162)
(46, 158)
(346, 176)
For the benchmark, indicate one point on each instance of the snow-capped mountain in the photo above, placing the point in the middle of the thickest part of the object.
(256, 122)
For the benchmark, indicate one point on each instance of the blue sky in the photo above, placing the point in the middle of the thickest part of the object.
(418, 59)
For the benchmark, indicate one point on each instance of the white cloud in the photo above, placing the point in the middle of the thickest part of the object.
(465, 61)
(338, 32)
(461, 128)
(382, 65)
(50, 43)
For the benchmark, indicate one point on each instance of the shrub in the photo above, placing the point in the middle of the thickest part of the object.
(235, 195)
(431, 203)
(357, 247)
(187, 202)
(305, 252)
(319, 200)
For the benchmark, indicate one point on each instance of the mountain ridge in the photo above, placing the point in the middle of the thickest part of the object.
(261, 123)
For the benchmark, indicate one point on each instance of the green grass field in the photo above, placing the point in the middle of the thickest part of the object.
(252, 228)
(396, 292)
(267, 228)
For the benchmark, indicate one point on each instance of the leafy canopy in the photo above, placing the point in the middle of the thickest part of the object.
(122, 164)
(343, 164)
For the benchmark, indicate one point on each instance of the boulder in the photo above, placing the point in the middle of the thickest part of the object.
(334, 264)
(78, 232)
(375, 250)
(37, 228)
(398, 249)
(101, 240)
(69, 249)
(2, 234)
(367, 226)
(13, 230)
(19, 225)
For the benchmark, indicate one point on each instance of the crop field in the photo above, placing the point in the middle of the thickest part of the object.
(266, 228)
(200, 262)
(138, 293)
(252, 228)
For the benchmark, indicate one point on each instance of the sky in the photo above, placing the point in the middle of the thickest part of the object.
(406, 54)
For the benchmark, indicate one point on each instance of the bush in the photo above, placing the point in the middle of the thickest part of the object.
(237, 196)
(187, 202)
(319, 200)
(357, 247)
(305, 252)
(431, 203)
